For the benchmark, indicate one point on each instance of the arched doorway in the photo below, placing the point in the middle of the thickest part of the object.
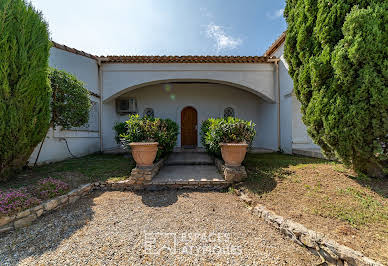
(189, 127)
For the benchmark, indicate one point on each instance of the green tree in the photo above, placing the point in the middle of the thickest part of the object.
(24, 85)
(338, 59)
(70, 103)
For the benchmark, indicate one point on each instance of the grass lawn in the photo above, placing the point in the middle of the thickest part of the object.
(77, 171)
(324, 196)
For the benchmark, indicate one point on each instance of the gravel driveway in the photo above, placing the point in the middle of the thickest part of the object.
(163, 227)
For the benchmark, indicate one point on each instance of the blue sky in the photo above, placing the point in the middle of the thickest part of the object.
(165, 27)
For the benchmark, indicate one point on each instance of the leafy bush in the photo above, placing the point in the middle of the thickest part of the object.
(166, 136)
(70, 103)
(48, 188)
(338, 59)
(226, 130)
(25, 89)
(16, 200)
(120, 128)
(147, 129)
(205, 126)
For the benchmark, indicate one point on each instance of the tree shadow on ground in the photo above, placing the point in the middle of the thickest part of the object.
(378, 185)
(47, 232)
(264, 170)
(167, 197)
(158, 198)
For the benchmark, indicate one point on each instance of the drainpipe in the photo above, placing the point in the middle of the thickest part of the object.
(276, 62)
(99, 65)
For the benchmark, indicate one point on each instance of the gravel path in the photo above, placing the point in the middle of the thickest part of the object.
(117, 228)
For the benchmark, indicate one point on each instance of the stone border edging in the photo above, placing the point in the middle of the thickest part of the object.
(327, 249)
(26, 217)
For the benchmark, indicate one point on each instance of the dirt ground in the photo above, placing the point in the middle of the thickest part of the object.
(326, 197)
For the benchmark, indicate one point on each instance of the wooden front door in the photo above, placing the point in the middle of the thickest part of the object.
(189, 127)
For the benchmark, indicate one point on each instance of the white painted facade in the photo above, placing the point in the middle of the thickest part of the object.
(293, 131)
(250, 89)
(80, 142)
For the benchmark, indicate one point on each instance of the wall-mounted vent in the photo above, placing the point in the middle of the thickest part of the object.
(126, 106)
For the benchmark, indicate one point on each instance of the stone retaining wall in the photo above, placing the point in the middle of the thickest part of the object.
(142, 175)
(231, 174)
(26, 217)
(329, 250)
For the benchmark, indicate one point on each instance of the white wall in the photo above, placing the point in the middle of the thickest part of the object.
(81, 142)
(293, 130)
(121, 78)
(209, 100)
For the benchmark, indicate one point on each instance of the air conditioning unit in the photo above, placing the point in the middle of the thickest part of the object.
(126, 106)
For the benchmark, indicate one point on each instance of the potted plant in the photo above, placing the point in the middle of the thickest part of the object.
(229, 137)
(140, 137)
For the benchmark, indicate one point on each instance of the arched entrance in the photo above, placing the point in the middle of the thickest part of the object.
(189, 134)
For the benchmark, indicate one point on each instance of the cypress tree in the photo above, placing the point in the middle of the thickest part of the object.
(337, 52)
(24, 84)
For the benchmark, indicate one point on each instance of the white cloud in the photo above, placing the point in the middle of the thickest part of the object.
(223, 40)
(277, 14)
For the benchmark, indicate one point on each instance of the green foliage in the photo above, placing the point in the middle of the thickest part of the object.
(24, 85)
(120, 128)
(205, 126)
(166, 136)
(226, 130)
(70, 103)
(148, 129)
(338, 58)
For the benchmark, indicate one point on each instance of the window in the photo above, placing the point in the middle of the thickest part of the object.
(149, 112)
(228, 112)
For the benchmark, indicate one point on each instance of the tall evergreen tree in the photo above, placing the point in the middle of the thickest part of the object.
(24, 84)
(337, 52)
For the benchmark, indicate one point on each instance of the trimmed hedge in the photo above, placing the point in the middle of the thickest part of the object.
(225, 130)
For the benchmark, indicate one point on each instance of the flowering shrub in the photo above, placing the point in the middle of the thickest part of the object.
(49, 188)
(16, 200)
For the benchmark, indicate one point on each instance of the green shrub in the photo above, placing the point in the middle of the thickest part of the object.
(70, 103)
(226, 130)
(205, 125)
(148, 129)
(120, 128)
(166, 136)
(338, 59)
(24, 84)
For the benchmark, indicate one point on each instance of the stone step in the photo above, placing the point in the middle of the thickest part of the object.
(188, 174)
(189, 158)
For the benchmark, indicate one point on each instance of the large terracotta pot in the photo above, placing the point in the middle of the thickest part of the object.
(144, 153)
(233, 153)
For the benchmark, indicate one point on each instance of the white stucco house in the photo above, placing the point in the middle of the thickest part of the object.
(186, 89)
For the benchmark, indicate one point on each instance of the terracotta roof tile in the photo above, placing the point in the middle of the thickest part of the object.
(276, 44)
(72, 50)
(184, 59)
(138, 59)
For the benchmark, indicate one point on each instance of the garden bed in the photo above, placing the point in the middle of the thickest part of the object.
(323, 196)
(77, 171)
